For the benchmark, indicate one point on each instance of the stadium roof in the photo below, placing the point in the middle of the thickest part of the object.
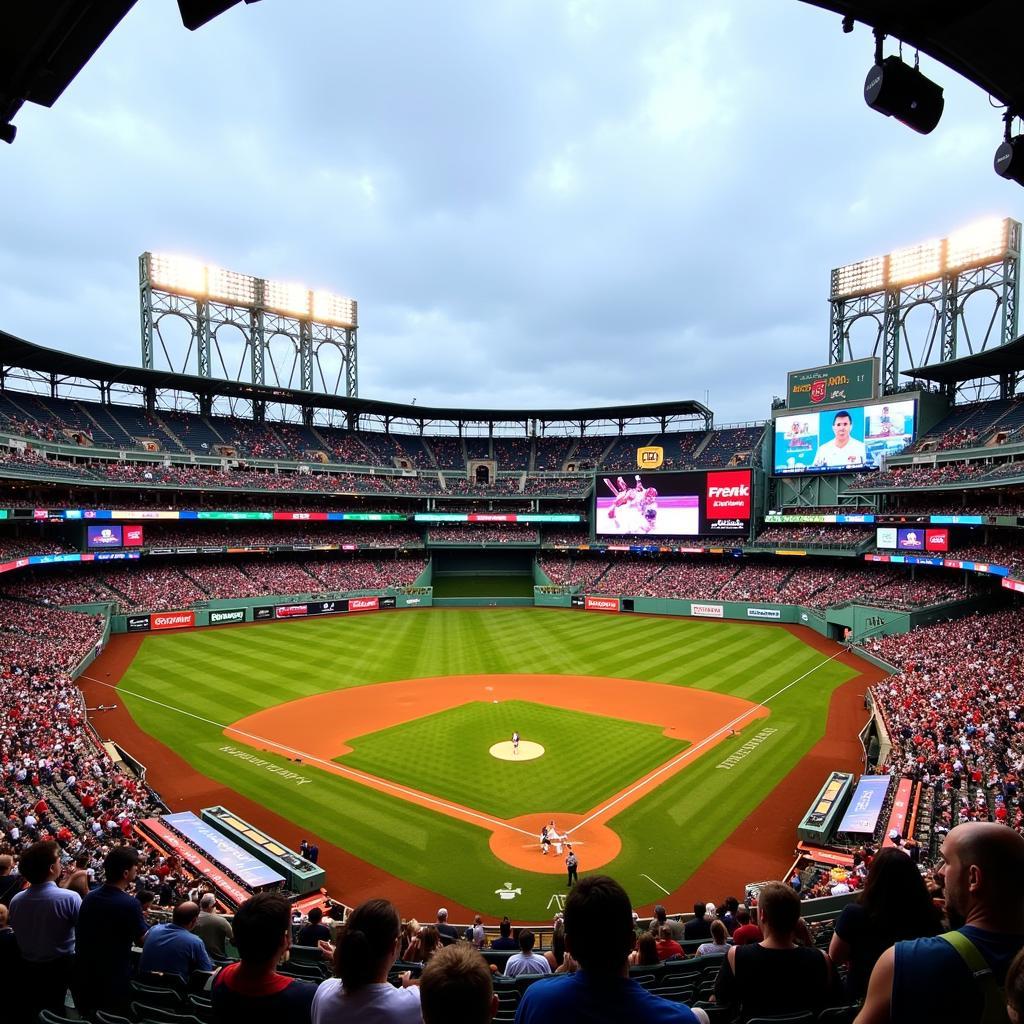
(16, 352)
(979, 40)
(993, 362)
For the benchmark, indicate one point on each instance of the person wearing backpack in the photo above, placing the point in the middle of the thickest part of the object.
(959, 976)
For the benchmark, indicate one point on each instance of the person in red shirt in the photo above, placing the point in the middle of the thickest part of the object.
(745, 931)
(667, 946)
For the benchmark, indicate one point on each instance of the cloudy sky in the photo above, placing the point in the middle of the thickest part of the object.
(535, 202)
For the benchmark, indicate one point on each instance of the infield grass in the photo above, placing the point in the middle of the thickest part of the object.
(220, 676)
(587, 758)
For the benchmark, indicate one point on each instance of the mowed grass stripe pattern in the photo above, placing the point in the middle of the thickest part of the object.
(227, 674)
(588, 758)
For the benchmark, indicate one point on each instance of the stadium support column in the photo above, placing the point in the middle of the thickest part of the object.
(257, 341)
(146, 312)
(305, 355)
(351, 364)
(837, 332)
(891, 343)
(202, 329)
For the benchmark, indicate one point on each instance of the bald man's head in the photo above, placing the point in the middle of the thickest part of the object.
(983, 870)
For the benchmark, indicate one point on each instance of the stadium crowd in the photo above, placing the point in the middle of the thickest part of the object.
(484, 533)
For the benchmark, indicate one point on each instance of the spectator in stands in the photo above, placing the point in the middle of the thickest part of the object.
(78, 879)
(699, 926)
(555, 956)
(775, 975)
(109, 923)
(251, 991)
(315, 930)
(599, 935)
(504, 940)
(1015, 990)
(173, 949)
(894, 905)
(526, 961)
(719, 941)
(424, 944)
(646, 952)
(43, 917)
(943, 977)
(745, 931)
(456, 986)
(212, 928)
(11, 980)
(667, 947)
(448, 932)
(10, 881)
(367, 947)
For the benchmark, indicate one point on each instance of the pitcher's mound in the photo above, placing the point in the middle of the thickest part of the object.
(527, 751)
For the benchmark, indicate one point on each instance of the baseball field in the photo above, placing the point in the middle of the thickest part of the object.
(385, 738)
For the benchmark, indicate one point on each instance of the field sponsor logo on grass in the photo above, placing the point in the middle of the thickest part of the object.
(221, 618)
(601, 604)
(137, 623)
(172, 620)
(747, 749)
(291, 611)
(363, 604)
(506, 892)
(764, 613)
(260, 762)
(262, 613)
(707, 611)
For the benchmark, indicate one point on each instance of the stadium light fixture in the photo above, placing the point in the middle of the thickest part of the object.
(292, 299)
(978, 243)
(915, 263)
(178, 274)
(859, 278)
(901, 91)
(1009, 158)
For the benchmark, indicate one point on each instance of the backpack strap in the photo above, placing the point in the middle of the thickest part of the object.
(995, 1004)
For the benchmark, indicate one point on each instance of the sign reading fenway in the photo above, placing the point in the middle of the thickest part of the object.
(172, 620)
(602, 604)
(728, 495)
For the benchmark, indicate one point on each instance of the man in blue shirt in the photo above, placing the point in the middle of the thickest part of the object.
(43, 918)
(109, 924)
(950, 977)
(599, 935)
(173, 949)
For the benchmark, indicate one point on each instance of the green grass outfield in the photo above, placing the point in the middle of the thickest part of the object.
(569, 777)
(224, 675)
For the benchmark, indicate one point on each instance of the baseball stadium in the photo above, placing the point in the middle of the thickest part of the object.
(291, 639)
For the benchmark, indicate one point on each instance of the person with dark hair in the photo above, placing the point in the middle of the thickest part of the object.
(955, 976)
(775, 976)
(893, 906)
(843, 451)
(745, 931)
(599, 935)
(173, 948)
(312, 933)
(556, 954)
(526, 961)
(646, 952)
(359, 991)
(251, 991)
(109, 923)
(424, 944)
(43, 918)
(668, 948)
(504, 940)
(699, 926)
(456, 986)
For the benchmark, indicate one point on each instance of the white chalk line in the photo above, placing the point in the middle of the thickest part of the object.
(653, 882)
(669, 766)
(331, 766)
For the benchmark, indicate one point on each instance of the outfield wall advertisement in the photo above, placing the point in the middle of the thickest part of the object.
(692, 504)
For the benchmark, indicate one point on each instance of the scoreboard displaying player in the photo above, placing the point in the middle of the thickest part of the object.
(692, 504)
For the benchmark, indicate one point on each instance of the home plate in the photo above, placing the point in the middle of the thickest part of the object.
(527, 751)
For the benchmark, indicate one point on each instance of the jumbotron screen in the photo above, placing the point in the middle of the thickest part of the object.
(842, 440)
(693, 504)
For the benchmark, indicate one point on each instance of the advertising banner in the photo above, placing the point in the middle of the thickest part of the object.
(260, 614)
(577, 601)
(910, 540)
(291, 611)
(242, 864)
(326, 607)
(688, 504)
(601, 604)
(132, 536)
(936, 540)
(861, 816)
(172, 620)
(227, 615)
(900, 810)
(842, 440)
(137, 623)
(707, 611)
(764, 613)
(103, 536)
(389, 602)
(856, 381)
(363, 604)
(650, 457)
(168, 839)
(885, 537)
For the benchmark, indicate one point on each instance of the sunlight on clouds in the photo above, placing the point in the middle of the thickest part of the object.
(367, 187)
(560, 175)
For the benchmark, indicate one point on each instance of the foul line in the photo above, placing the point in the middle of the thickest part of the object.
(332, 766)
(670, 765)
(653, 882)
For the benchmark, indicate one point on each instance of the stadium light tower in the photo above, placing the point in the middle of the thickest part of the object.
(211, 300)
(941, 275)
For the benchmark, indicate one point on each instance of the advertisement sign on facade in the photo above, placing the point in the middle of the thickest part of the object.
(291, 611)
(856, 381)
(137, 623)
(132, 536)
(260, 614)
(764, 613)
(363, 604)
(602, 604)
(866, 805)
(103, 536)
(707, 611)
(172, 620)
(225, 616)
